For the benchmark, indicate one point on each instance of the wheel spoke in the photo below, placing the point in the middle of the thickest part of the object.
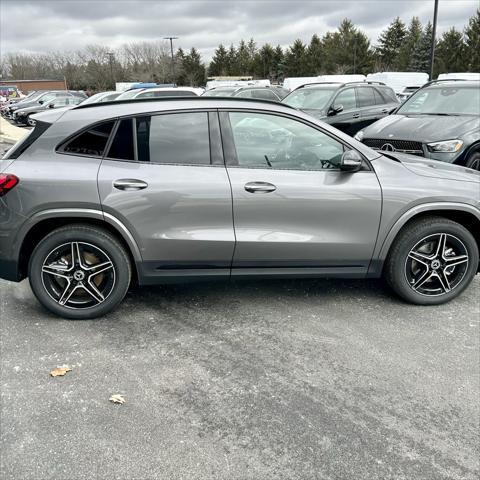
(454, 261)
(427, 275)
(68, 292)
(93, 291)
(57, 271)
(98, 268)
(76, 255)
(420, 257)
(443, 281)
(441, 246)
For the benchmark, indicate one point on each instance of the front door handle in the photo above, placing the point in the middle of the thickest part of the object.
(385, 110)
(356, 115)
(130, 184)
(260, 187)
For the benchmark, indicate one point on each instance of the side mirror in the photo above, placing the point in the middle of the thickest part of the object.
(351, 161)
(51, 105)
(40, 102)
(334, 109)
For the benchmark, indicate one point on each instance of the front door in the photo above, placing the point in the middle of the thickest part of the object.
(164, 178)
(293, 208)
(348, 120)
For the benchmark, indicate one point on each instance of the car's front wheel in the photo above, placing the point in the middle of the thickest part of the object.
(432, 261)
(79, 272)
(473, 161)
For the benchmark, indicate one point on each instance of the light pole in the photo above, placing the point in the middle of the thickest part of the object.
(171, 51)
(110, 61)
(434, 32)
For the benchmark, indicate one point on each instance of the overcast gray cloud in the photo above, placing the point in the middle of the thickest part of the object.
(46, 25)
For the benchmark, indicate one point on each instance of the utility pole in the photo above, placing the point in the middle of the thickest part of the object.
(434, 33)
(171, 51)
(111, 57)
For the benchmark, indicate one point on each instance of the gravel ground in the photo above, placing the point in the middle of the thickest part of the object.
(307, 379)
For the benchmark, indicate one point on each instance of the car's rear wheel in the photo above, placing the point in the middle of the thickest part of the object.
(432, 261)
(79, 272)
(473, 161)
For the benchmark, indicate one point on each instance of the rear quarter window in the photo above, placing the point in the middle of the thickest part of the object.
(91, 142)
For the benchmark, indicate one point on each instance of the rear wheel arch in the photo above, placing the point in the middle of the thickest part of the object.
(42, 228)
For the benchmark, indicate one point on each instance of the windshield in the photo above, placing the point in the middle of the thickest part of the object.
(219, 92)
(129, 94)
(448, 100)
(305, 98)
(93, 98)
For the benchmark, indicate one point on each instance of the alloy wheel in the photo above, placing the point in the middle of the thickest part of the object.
(436, 264)
(78, 275)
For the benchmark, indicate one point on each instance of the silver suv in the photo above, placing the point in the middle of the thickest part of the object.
(167, 190)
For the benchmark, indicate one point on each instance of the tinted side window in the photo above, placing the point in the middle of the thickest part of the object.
(122, 144)
(366, 97)
(177, 138)
(346, 99)
(92, 142)
(271, 141)
(379, 100)
(389, 94)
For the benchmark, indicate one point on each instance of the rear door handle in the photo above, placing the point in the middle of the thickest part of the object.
(130, 184)
(356, 115)
(385, 110)
(260, 187)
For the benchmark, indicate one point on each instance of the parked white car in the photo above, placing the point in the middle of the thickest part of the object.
(160, 92)
(459, 76)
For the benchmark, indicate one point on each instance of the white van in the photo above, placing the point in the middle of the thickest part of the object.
(459, 76)
(402, 83)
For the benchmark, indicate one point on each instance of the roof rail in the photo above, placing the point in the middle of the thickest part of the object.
(360, 82)
(443, 80)
(179, 99)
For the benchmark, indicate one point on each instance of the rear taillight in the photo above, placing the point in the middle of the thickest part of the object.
(7, 182)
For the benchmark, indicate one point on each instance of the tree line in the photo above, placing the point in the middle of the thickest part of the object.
(347, 50)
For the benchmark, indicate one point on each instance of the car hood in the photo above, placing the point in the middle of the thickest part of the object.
(435, 169)
(422, 128)
(31, 109)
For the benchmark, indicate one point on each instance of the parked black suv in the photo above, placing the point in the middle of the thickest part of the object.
(347, 106)
(273, 93)
(440, 121)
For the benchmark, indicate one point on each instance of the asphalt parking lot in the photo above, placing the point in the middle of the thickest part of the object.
(285, 379)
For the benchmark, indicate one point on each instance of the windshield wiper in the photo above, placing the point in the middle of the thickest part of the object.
(268, 161)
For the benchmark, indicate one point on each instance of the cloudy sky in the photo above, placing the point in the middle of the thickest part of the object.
(45, 25)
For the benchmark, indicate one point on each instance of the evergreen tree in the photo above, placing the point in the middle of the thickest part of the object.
(264, 62)
(420, 59)
(413, 36)
(296, 62)
(243, 59)
(193, 68)
(472, 41)
(347, 50)
(389, 45)
(450, 53)
(232, 64)
(314, 54)
(219, 64)
(279, 64)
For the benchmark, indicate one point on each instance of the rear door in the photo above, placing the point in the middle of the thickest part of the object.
(164, 178)
(373, 104)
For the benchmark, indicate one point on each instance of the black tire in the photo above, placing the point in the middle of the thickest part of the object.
(402, 262)
(72, 289)
(473, 161)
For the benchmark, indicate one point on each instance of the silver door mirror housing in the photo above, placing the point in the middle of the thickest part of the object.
(351, 161)
(334, 109)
